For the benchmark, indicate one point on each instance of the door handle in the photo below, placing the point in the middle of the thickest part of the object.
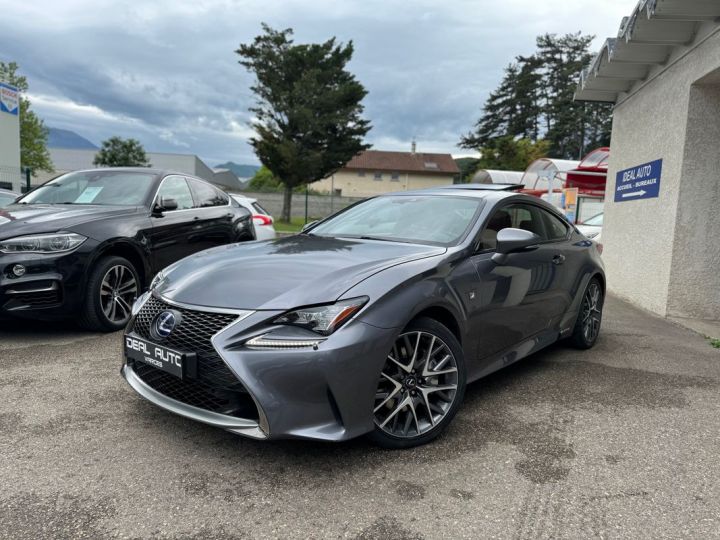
(558, 259)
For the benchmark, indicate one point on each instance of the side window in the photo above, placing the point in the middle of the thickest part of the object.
(175, 187)
(206, 195)
(557, 229)
(517, 216)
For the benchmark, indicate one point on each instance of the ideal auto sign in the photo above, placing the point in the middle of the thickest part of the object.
(9, 99)
(640, 182)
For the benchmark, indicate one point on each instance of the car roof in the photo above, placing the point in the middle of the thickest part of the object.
(157, 172)
(491, 196)
(8, 192)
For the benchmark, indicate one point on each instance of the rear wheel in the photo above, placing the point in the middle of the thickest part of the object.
(421, 386)
(113, 286)
(587, 326)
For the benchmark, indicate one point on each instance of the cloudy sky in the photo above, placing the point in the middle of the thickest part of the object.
(165, 72)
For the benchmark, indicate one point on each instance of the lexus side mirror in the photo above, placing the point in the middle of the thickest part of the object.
(513, 241)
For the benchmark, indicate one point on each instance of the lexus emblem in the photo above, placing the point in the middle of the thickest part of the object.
(165, 323)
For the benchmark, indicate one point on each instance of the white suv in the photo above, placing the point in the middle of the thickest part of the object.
(263, 221)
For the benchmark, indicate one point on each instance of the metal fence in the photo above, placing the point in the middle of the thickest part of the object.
(11, 178)
(318, 206)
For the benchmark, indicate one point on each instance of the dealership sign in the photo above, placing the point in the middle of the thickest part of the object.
(9, 99)
(641, 182)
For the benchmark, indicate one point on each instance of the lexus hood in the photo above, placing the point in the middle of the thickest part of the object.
(282, 274)
(20, 219)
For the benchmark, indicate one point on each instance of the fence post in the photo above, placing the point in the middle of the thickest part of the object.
(27, 179)
(306, 204)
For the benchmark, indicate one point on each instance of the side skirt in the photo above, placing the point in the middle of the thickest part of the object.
(518, 352)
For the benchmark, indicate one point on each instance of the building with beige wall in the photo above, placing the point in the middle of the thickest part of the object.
(375, 171)
(662, 236)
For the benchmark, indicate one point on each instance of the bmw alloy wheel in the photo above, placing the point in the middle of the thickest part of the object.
(118, 291)
(417, 387)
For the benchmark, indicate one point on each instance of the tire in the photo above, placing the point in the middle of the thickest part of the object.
(410, 409)
(587, 326)
(97, 311)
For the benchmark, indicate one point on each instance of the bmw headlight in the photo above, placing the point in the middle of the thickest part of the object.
(42, 243)
(323, 320)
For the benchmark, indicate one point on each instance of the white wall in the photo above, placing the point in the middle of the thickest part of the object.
(652, 252)
(10, 149)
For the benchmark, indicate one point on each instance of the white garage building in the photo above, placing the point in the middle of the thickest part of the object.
(662, 215)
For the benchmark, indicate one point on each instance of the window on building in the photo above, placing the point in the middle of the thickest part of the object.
(395, 177)
(378, 176)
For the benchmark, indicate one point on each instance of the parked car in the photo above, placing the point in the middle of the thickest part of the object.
(592, 227)
(86, 244)
(370, 321)
(7, 197)
(264, 229)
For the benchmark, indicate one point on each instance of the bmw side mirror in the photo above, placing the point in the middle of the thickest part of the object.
(164, 205)
(513, 241)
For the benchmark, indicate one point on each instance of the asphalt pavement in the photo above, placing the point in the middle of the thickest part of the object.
(622, 441)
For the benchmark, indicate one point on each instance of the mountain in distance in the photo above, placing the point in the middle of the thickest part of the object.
(242, 171)
(64, 138)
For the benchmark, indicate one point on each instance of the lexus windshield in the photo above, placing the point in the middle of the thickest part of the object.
(111, 188)
(422, 219)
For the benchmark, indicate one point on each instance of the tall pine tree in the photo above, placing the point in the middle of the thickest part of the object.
(534, 102)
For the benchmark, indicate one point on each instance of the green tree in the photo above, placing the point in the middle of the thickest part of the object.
(308, 121)
(467, 166)
(534, 101)
(264, 180)
(118, 152)
(33, 133)
(509, 154)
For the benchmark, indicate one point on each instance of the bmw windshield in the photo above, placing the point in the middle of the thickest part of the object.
(111, 188)
(418, 219)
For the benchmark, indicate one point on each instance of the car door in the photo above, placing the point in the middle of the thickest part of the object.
(213, 217)
(513, 301)
(171, 231)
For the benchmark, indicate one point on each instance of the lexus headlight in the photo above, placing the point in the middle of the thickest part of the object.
(323, 319)
(42, 243)
(159, 277)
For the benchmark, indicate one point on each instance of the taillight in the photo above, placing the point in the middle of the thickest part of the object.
(260, 219)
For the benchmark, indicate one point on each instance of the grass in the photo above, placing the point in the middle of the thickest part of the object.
(715, 342)
(296, 224)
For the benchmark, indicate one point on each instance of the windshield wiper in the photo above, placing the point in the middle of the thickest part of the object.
(382, 239)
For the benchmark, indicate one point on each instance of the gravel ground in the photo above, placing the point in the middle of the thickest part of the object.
(622, 441)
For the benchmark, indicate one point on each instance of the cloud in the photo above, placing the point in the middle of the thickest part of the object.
(165, 71)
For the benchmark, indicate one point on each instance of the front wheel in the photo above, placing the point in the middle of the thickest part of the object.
(421, 386)
(112, 288)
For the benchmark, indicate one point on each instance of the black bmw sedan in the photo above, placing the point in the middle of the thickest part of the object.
(86, 244)
(369, 322)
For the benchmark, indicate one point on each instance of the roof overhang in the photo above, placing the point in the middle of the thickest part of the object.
(646, 39)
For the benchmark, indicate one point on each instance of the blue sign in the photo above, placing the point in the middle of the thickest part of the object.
(9, 99)
(641, 182)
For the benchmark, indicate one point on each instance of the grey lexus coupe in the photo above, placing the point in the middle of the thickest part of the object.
(371, 321)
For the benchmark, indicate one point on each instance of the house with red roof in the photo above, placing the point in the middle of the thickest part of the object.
(373, 172)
